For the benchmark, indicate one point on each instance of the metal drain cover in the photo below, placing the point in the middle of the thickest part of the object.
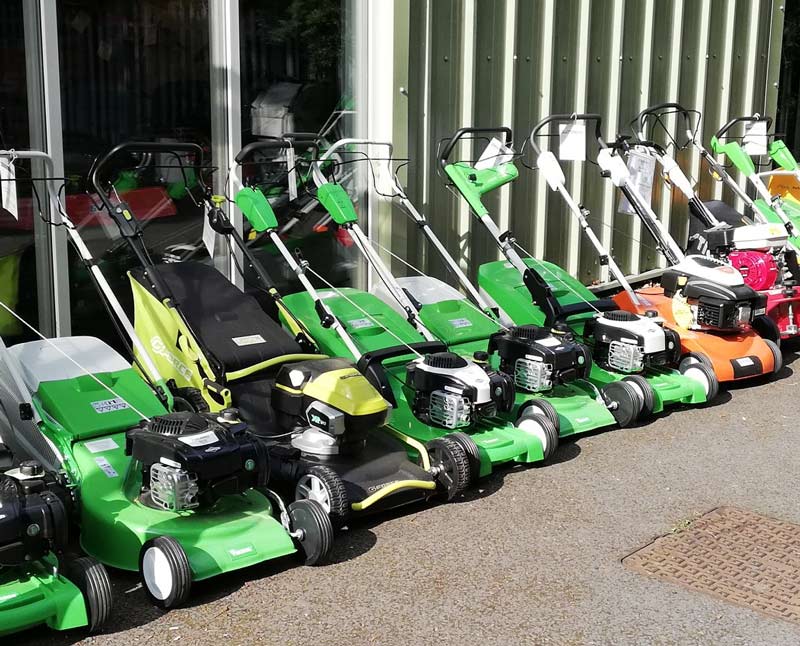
(732, 554)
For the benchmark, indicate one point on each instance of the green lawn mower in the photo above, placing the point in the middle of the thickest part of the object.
(547, 369)
(433, 391)
(177, 496)
(319, 419)
(38, 583)
(531, 291)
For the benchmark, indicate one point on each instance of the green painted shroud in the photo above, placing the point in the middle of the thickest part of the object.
(33, 595)
(238, 531)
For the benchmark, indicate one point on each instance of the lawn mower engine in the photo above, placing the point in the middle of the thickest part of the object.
(452, 392)
(328, 405)
(629, 343)
(189, 460)
(715, 293)
(758, 268)
(33, 522)
(537, 360)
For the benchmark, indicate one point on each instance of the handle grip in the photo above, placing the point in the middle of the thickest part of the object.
(568, 118)
(459, 134)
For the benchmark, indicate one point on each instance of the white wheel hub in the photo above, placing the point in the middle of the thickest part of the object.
(157, 573)
(310, 487)
(532, 426)
(638, 390)
(698, 375)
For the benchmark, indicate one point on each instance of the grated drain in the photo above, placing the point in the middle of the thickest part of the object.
(734, 555)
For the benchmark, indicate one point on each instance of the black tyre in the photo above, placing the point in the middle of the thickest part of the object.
(646, 392)
(473, 454)
(543, 428)
(91, 579)
(316, 531)
(165, 572)
(777, 355)
(767, 328)
(450, 459)
(542, 407)
(705, 375)
(189, 400)
(623, 402)
(694, 357)
(325, 486)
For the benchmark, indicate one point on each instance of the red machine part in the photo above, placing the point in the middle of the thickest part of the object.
(758, 268)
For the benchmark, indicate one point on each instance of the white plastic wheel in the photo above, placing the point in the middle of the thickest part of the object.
(157, 573)
(698, 375)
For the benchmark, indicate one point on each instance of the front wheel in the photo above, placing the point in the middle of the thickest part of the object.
(323, 485)
(542, 428)
(645, 392)
(451, 466)
(703, 374)
(767, 328)
(623, 401)
(777, 356)
(165, 572)
(91, 579)
(314, 539)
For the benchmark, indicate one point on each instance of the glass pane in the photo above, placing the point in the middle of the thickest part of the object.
(292, 64)
(132, 71)
(17, 260)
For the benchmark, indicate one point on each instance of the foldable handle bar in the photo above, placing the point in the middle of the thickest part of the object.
(657, 110)
(568, 118)
(756, 117)
(274, 143)
(459, 134)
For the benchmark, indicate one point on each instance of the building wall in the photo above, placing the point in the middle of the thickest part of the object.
(513, 62)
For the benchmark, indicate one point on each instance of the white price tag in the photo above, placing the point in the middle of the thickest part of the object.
(495, 154)
(209, 235)
(291, 162)
(755, 138)
(572, 141)
(642, 168)
(8, 187)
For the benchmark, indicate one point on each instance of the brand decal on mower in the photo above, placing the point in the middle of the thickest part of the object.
(199, 439)
(358, 324)
(110, 405)
(240, 552)
(105, 467)
(378, 487)
(250, 339)
(98, 446)
(160, 349)
(459, 323)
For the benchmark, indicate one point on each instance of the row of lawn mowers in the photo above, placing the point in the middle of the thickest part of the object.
(247, 425)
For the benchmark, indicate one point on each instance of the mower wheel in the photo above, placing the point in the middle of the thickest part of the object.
(777, 355)
(91, 579)
(473, 454)
(189, 400)
(323, 484)
(694, 357)
(646, 392)
(165, 572)
(542, 428)
(704, 374)
(767, 328)
(623, 401)
(450, 459)
(315, 531)
(542, 407)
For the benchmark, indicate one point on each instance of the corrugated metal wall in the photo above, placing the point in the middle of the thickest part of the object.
(493, 62)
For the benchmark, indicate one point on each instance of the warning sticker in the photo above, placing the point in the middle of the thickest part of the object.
(98, 446)
(110, 405)
(250, 339)
(459, 323)
(105, 467)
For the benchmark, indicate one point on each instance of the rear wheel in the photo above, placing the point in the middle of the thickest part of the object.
(189, 400)
(315, 531)
(323, 485)
(473, 454)
(767, 328)
(542, 407)
(450, 461)
(777, 356)
(704, 374)
(543, 428)
(645, 392)
(165, 572)
(91, 579)
(623, 401)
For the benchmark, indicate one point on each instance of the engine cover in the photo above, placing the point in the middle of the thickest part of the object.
(537, 359)
(199, 452)
(627, 342)
(758, 268)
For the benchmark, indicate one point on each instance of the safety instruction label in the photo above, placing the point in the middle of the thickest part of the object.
(250, 339)
(110, 405)
(459, 323)
(642, 168)
(105, 467)
(98, 446)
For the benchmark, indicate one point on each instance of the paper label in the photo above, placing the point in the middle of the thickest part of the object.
(495, 154)
(200, 439)
(745, 362)
(755, 138)
(358, 324)
(642, 168)
(8, 187)
(98, 446)
(459, 323)
(292, 179)
(105, 467)
(250, 339)
(209, 235)
(110, 405)
(572, 141)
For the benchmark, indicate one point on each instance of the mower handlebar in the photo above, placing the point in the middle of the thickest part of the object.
(719, 134)
(567, 118)
(459, 134)
(273, 143)
(641, 119)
